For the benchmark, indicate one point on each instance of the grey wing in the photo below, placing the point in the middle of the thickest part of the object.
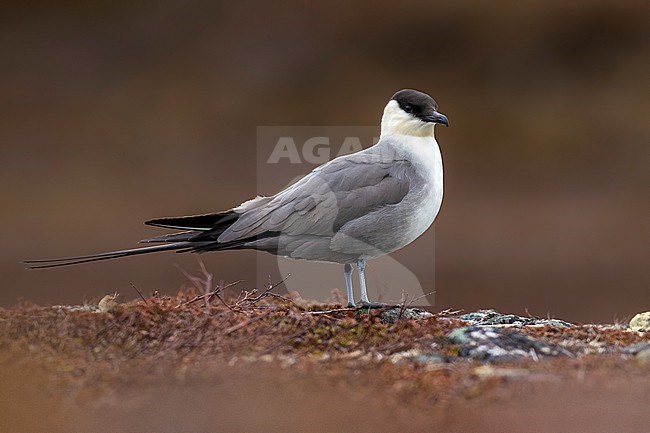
(329, 197)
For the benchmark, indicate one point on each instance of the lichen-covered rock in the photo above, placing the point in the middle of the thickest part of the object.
(641, 322)
(396, 313)
(494, 318)
(498, 344)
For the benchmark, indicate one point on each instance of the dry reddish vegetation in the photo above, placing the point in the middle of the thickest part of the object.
(263, 363)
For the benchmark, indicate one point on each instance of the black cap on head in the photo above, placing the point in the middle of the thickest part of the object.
(420, 105)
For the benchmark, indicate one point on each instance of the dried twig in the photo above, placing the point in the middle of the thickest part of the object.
(421, 297)
(223, 287)
(326, 312)
(216, 293)
(206, 284)
(407, 304)
(139, 292)
(265, 293)
(284, 298)
(448, 312)
(402, 306)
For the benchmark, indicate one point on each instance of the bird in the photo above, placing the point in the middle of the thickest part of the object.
(348, 210)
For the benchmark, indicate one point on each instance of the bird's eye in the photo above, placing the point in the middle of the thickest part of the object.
(408, 108)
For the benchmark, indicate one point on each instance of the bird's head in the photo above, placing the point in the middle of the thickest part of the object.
(410, 112)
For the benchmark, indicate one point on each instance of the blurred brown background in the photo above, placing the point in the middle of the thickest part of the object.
(118, 112)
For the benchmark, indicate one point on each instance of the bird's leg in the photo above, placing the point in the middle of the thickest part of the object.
(365, 302)
(361, 266)
(347, 269)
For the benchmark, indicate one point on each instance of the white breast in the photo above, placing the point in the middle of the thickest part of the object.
(425, 196)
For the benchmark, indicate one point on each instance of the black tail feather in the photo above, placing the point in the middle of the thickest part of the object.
(196, 222)
(173, 237)
(53, 263)
(203, 232)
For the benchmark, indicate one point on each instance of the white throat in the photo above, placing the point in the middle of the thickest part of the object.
(396, 121)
